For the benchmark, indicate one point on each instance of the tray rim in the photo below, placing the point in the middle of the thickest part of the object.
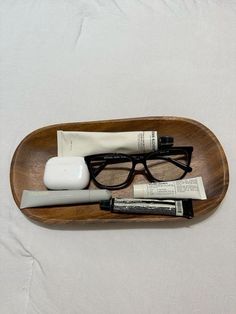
(218, 199)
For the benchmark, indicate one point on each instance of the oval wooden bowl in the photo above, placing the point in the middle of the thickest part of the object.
(208, 161)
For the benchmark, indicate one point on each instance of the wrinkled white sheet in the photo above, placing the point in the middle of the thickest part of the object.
(71, 60)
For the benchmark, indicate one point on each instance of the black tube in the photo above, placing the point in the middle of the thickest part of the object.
(180, 208)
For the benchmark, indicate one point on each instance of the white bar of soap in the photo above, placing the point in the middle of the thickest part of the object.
(66, 173)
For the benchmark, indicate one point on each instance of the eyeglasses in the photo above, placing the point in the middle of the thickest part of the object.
(116, 171)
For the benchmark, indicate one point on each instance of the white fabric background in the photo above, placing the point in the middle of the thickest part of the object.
(72, 60)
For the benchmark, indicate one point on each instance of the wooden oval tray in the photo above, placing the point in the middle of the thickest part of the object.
(208, 161)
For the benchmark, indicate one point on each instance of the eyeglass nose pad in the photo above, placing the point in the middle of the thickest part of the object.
(140, 171)
(139, 168)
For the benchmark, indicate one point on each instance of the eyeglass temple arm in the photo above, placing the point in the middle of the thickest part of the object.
(176, 163)
(102, 165)
(100, 168)
(180, 165)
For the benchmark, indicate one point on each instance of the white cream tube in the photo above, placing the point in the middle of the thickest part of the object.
(82, 144)
(50, 198)
(188, 188)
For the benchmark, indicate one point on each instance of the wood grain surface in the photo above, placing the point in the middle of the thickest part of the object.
(208, 161)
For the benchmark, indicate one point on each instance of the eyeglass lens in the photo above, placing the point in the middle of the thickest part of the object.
(162, 169)
(112, 173)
